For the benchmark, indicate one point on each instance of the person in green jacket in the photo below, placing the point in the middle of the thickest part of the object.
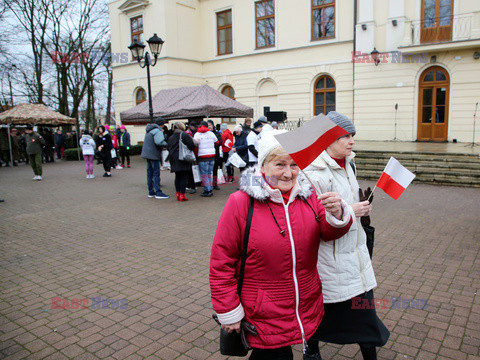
(34, 151)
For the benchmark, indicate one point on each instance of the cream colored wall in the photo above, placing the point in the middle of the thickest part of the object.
(189, 58)
(379, 88)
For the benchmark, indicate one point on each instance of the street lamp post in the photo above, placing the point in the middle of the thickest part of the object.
(155, 43)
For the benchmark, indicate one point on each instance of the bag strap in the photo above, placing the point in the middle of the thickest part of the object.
(245, 246)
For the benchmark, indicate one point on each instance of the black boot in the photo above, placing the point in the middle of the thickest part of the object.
(369, 353)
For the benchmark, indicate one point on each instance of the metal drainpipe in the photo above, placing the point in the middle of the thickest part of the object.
(353, 62)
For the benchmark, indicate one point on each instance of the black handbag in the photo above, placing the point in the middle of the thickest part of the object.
(236, 344)
(365, 220)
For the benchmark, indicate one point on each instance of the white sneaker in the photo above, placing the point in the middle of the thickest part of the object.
(118, 167)
(92, 176)
(35, 177)
(39, 178)
(88, 176)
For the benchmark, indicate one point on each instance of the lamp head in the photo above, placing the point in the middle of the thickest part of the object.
(155, 43)
(137, 50)
(374, 54)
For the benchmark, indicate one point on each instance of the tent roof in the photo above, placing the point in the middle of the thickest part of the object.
(37, 114)
(185, 103)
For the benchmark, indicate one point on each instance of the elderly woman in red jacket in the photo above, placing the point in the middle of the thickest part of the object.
(282, 292)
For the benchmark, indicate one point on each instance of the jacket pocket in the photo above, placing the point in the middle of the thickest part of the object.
(266, 308)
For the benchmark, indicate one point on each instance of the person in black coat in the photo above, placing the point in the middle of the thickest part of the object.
(104, 146)
(179, 167)
(218, 153)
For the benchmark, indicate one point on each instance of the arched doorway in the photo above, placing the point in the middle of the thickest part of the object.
(434, 88)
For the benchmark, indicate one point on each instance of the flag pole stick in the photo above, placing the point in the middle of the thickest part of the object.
(372, 192)
(311, 182)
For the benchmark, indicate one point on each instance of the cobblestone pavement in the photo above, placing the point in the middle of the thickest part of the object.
(68, 237)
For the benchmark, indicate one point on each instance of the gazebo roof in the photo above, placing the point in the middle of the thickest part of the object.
(37, 114)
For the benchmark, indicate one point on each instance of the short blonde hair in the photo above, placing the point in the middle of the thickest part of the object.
(179, 125)
(276, 152)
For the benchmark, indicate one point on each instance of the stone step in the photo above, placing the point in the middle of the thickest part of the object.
(420, 157)
(468, 170)
(428, 178)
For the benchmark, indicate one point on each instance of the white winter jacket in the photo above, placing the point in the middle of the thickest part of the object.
(344, 265)
(88, 145)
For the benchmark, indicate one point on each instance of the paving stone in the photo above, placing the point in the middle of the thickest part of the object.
(73, 238)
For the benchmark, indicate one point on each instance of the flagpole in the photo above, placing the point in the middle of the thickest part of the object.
(372, 192)
(311, 182)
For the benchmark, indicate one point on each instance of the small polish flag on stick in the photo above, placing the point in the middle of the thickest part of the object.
(395, 178)
(305, 143)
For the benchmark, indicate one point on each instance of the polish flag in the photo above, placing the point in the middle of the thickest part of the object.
(305, 143)
(395, 178)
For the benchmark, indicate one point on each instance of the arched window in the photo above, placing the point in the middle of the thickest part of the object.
(141, 96)
(228, 91)
(324, 95)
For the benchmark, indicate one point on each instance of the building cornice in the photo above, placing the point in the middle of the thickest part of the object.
(133, 5)
(443, 46)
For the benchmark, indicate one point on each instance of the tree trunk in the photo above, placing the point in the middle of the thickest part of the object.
(109, 97)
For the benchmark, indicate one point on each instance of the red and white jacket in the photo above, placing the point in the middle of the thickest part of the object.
(227, 140)
(282, 292)
(206, 141)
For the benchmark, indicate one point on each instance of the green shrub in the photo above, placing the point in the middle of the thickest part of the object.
(72, 154)
(135, 149)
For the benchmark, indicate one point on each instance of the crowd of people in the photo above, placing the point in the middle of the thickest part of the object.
(212, 145)
(39, 147)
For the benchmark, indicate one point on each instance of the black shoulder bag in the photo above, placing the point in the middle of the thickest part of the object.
(365, 220)
(235, 344)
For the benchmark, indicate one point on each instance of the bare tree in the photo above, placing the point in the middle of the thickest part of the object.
(69, 41)
(31, 16)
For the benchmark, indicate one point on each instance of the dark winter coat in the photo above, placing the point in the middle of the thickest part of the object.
(106, 141)
(173, 147)
(60, 140)
(35, 143)
(241, 146)
(124, 139)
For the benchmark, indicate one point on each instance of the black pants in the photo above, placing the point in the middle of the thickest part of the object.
(283, 353)
(190, 180)
(107, 160)
(181, 179)
(228, 168)
(125, 153)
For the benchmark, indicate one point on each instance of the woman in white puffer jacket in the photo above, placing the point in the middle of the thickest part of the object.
(344, 265)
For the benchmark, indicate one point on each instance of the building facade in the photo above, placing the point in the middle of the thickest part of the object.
(401, 69)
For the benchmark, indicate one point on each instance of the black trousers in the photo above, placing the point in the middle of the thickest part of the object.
(283, 353)
(107, 160)
(190, 180)
(181, 179)
(125, 153)
(229, 168)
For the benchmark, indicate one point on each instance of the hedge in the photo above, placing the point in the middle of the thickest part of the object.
(72, 154)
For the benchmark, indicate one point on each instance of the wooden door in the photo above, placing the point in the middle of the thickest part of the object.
(433, 95)
(437, 19)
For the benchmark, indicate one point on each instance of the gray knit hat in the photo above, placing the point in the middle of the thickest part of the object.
(263, 119)
(223, 126)
(342, 121)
